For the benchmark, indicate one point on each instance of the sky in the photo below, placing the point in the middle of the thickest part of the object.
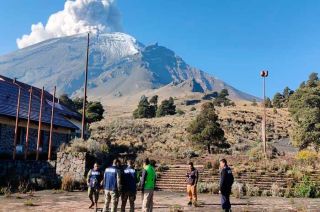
(231, 39)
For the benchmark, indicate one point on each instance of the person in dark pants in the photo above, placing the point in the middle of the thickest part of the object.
(148, 184)
(129, 186)
(94, 179)
(226, 181)
(112, 186)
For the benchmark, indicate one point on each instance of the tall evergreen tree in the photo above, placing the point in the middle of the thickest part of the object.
(304, 106)
(144, 110)
(206, 130)
(278, 100)
(268, 103)
(167, 107)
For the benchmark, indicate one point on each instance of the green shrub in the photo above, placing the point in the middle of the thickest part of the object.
(180, 112)
(92, 146)
(252, 191)
(307, 188)
(295, 172)
(265, 193)
(276, 191)
(256, 153)
(208, 165)
(204, 187)
(162, 168)
(238, 190)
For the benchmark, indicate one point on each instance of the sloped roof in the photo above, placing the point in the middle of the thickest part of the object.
(8, 104)
(48, 96)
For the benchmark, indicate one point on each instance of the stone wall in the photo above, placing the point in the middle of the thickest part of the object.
(7, 136)
(45, 174)
(40, 173)
(74, 164)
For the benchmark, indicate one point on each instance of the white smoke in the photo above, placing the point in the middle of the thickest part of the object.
(78, 16)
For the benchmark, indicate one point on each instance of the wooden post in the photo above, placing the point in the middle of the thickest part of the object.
(85, 92)
(51, 123)
(16, 126)
(40, 123)
(28, 125)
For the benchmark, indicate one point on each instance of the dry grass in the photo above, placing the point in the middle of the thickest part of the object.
(67, 183)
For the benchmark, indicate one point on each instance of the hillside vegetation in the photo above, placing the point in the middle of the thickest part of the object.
(167, 137)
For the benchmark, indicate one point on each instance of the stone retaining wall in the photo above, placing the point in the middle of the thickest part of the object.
(41, 173)
(74, 164)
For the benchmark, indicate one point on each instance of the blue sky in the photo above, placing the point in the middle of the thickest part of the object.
(230, 39)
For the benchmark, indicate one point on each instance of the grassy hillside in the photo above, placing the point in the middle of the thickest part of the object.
(167, 138)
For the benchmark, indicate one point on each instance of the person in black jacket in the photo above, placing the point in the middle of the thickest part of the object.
(226, 181)
(130, 181)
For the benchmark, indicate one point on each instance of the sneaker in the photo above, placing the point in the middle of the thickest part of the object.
(189, 203)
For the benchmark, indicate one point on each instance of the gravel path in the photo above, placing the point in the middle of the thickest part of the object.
(164, 201)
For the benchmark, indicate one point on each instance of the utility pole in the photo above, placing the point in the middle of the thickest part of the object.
(85, 92)
(264, 74)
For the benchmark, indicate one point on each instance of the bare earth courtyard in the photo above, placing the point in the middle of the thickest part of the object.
(164, 201)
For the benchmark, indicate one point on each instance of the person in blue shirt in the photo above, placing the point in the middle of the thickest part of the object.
(94, 178)
(112, 186)
(129, 186)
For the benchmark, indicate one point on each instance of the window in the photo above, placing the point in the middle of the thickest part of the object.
(21, 135)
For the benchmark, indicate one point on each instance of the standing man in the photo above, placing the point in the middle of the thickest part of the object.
(94, 179)
(226, 181)
(129, 186)
(112, 186)
(192, 180)
(148, 182)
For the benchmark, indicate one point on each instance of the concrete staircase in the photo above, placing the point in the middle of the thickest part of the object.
(174, 178)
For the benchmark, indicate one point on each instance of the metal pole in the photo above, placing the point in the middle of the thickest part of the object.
(51, 122)
(40, 123)
(16, 126)
(85, 92)
(264, 118)
(28, 125)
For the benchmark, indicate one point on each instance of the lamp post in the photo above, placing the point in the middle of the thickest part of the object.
(264, 74)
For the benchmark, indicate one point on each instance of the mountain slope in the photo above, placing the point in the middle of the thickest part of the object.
(119, 66)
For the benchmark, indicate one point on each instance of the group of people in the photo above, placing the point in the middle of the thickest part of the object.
(118, 181)
(226, 181)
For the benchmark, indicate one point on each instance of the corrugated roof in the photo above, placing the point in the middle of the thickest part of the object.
(9, 98)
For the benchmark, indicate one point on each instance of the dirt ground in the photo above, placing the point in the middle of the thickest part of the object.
(164, 201)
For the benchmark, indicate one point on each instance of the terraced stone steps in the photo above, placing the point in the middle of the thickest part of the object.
(174, 178)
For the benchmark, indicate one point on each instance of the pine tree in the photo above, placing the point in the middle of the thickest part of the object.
(313, 79)
(167, 107)
(268, 103)
(206, 130)
(278, 100)
(144, 110)
(304, 106)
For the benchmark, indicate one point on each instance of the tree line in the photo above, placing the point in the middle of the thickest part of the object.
(150, 109)
(94, 109)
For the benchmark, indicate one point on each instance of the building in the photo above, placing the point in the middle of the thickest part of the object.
(66, 122)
